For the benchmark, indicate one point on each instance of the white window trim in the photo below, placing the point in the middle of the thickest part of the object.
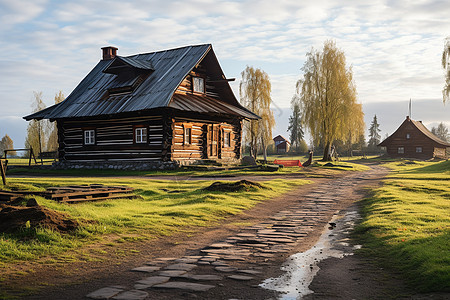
(226, 144)
(197, 87)
(140, 134)
(89, 137)
(188, 137)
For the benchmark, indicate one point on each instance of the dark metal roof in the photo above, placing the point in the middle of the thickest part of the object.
(90, 98)
(205, 104)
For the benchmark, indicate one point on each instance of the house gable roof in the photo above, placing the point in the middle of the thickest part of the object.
(280, 138)
(154, 78)
(420, 127)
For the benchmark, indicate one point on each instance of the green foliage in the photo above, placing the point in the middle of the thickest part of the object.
(374, 133)
(295, 127)
(407, 225)
(328, 98)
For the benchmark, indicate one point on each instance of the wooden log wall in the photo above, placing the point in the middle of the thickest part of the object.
(113, 141)
(186, 84)
(198, 149)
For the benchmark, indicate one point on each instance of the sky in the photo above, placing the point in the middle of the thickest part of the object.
(393, 47)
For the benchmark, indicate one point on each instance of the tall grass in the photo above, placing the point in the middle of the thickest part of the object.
(407, 223)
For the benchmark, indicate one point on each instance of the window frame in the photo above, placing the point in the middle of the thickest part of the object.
(135, 134)
(408, 136)
(419, 148)
(400, 150)
(89, 137)
(187, 138)
(226, 134)
(200, 79)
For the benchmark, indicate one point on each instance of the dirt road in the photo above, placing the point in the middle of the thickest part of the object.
(228, 261)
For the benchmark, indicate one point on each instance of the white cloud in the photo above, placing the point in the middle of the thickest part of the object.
(394, 46)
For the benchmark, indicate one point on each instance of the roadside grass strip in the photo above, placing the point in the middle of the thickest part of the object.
(166, 207)
(407, 224)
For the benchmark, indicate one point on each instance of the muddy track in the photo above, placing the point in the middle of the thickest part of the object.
(235, 259)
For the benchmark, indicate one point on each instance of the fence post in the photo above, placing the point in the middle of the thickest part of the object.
(3, 171)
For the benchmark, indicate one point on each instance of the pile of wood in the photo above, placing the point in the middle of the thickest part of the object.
(75, 193)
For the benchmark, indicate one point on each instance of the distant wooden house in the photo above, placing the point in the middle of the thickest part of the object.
(155, 109)
(282, 145)
(413, 140)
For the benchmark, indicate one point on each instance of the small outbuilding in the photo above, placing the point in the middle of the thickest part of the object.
(158, 109)
(413, 140)
(281, 144)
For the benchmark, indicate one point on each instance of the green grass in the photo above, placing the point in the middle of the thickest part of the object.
(168, 206)
(407, 223)
(317, 170)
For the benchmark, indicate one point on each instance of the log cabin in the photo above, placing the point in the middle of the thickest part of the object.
(281, 144)
(413, 140)
(160, 109)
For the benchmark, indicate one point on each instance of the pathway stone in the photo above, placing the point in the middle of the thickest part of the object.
(251, 272)
(203, 277)
(151, 281)
(172, 273)
(105, 293)
(146, 269)
(181, 266)
(131, 295)
(189, 286)
(225, 269)
(240, 277)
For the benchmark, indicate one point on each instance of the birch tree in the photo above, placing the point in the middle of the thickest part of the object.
(254, 91)
(328, 98)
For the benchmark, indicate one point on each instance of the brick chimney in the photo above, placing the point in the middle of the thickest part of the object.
(109, 52)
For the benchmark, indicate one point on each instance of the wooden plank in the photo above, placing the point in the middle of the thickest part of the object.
(117, 196)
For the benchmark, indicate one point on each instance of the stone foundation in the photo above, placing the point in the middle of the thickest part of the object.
(138, 165)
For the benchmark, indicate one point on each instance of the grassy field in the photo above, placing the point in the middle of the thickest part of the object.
(167, 207)
(407, 223)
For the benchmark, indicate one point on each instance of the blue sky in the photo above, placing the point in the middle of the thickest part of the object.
(394, 47)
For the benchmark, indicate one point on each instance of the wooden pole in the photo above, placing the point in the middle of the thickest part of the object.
(3, 171)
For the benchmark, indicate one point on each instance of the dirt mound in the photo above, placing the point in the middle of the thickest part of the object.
(13, 218)
(237, 186)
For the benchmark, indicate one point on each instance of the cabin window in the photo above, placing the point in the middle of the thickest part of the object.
(187, 135)
(401, 150)
(198, 84)
(408, 136)
(418, 149)
(89, 137)
(140, 135)
(226, 138)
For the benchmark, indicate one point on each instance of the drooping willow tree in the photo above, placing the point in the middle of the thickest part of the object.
(328, 98)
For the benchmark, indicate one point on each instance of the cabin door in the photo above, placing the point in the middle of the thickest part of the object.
(213, 140)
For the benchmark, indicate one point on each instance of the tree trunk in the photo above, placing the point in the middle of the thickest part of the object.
(326, 152)
(264, 150)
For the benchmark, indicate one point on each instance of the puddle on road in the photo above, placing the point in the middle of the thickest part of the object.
(301, 268)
